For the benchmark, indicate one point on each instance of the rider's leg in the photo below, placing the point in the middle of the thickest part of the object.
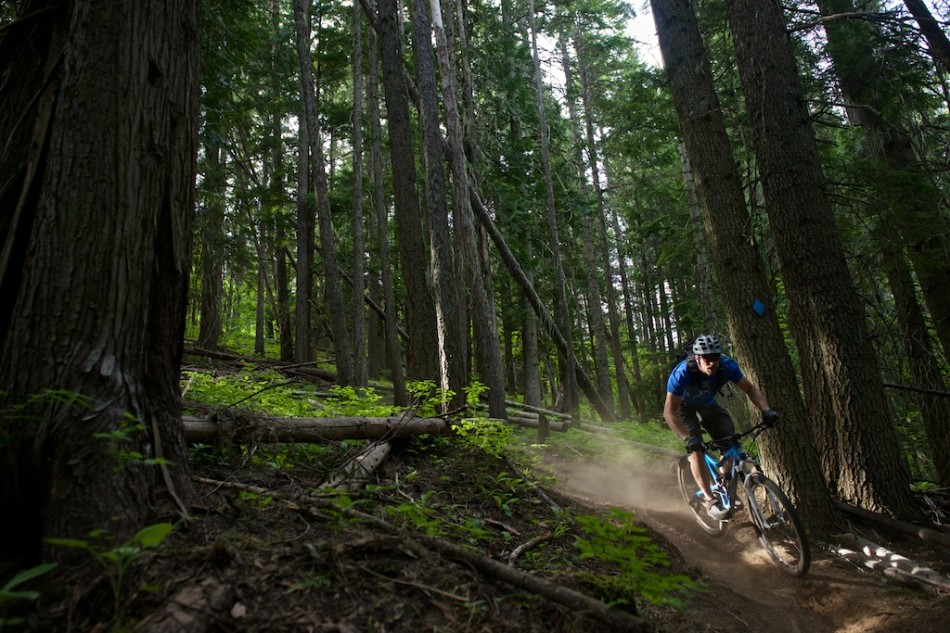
(701, 473)
(718, 423)
(690, 419)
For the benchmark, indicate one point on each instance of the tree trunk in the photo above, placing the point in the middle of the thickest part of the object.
(284, 321)
(594, 300)
(546, 321)
(593, 160)
(333, 294)
(567, 360)
(268, 430)
(703, 272)
(913, 201)
(423, 353)
(95, 266)
(788, 450)
(453, 371)
(636, 393)
(305, 224)
(394, 353)
(211, 236)
(487, 353)
(359, 283)
(842, 382)
(936, 38)
(276, 197)
(260, 302)
(924, 368)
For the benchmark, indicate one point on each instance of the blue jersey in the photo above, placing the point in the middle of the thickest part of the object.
(696, 388)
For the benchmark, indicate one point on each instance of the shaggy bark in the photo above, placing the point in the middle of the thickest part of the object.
(842, 382)
(94, 265)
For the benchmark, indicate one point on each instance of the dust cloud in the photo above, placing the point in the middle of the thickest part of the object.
(626, 478)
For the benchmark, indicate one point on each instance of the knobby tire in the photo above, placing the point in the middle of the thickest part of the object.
(687, 483)
(781, 534)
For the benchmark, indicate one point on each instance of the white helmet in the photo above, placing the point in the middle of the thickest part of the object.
(706, 344)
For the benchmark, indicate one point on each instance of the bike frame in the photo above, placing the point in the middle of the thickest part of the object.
(739, 464)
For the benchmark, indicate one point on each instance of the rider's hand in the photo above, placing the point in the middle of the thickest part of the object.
(770, 417)
(693, 444)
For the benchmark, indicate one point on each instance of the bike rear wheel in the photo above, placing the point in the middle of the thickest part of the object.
(694, 499)
(777, 525)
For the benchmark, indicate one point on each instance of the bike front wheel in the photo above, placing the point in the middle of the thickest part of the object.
(777, 525)
(694, 499)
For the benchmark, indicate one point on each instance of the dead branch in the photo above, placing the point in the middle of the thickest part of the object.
(518, 274)
(516, 552)
(619, 620)
(504, 526)
(895, 566)
(357, 471)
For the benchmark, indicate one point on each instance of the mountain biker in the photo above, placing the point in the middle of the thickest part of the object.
(691, 390)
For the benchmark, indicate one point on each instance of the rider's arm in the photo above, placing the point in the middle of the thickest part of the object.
(669, 413)
(755, 395)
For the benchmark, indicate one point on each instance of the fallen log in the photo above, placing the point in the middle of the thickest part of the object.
(924, 534)
(895, 566)
(533, 409)
(533, 423)
(273, 430)
(304, 369)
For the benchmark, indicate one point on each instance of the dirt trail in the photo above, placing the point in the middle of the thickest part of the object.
(746, 589)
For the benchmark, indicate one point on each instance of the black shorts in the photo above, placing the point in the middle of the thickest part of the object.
(712, 417)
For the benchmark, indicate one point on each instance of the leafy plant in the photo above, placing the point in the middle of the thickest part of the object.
(116, 561)
(490, 436)
(473, 392)
(617, 540)
(129, 427)
(349, 401)
(266, 390)
(312, 582)
(10, 592)
(427, 399)
(419, 514)
(254, 499)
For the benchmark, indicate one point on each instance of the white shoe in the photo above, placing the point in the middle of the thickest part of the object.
(715, 510)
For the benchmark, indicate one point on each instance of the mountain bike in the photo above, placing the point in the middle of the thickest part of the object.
(776, 523)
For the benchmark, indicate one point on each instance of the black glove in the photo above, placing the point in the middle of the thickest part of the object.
(693, 444)
(769, 417)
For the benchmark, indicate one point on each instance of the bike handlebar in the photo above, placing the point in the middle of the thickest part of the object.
(755, 431)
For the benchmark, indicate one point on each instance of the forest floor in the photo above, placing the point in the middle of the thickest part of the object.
(266, 551)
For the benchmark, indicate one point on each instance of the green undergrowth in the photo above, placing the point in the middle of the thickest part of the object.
(474, 487)
(267, 391)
